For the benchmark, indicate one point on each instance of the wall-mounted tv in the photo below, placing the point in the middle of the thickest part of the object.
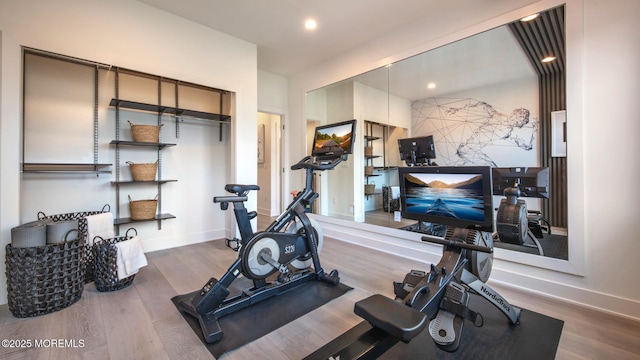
(458, 196)
(334, 140)
(417, 151)
(531, 181)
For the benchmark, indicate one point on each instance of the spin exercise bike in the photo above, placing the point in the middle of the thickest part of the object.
(289, 246)
(437, 300)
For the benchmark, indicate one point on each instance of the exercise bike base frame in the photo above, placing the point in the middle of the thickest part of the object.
(209, 323)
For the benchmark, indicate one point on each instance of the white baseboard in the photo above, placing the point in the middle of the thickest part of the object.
(156, 244)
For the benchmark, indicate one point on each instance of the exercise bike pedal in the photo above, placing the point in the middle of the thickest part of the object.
(445, 329)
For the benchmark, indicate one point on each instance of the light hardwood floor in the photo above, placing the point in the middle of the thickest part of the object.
(140, 322)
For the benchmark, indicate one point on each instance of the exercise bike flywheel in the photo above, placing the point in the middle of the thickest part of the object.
(305, 262)
(255, 266)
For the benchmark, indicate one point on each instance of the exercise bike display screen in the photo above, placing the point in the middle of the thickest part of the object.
(418, 150)
(452, 196)
(334, 140)
(531, 181)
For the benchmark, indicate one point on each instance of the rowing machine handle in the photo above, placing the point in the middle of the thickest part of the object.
(458, 244)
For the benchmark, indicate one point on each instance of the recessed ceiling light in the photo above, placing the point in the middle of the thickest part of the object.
(431, 86)
(530, 17)
(548, 59)
(310, 24)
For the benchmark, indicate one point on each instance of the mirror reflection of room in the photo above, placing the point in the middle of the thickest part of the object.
(500, 107)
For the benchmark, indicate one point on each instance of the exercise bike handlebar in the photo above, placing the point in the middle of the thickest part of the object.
(308, 163)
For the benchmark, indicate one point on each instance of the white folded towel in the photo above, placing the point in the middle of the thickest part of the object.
(395, 192)
(130, 257)
(99, 225)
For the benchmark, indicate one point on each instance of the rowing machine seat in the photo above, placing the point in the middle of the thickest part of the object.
(391, 316)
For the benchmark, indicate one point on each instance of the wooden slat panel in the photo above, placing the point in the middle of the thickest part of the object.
(540, 38)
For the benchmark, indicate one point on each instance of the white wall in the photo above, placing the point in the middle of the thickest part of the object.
(602, 145)
(135, 36)
(10, 80)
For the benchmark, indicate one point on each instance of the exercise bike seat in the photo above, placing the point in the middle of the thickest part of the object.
(394, 318)
(240, 189)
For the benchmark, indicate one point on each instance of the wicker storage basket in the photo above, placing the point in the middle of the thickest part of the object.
(145, 133)
(143, 172)
(87, 259)
(369, 189)
(44, 279)
(368, 151)
(105, 266)
(368, 170)
(143, 209)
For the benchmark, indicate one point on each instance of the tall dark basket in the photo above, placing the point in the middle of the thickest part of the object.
(105, 263)
(44, 279)
(87, 258)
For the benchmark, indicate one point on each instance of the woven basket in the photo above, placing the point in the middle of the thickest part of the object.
(368, 170)
(143, 172)
(44, 279)
(143, 209)
(368, 151)
(106, 267)
(145, 133)
(87, 259)
(369, 189)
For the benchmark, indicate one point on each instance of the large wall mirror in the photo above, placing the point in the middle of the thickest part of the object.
(484, 100)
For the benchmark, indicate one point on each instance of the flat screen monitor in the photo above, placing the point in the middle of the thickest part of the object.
(458, 196)
(531, 181)
(334, 140)
(417, 151)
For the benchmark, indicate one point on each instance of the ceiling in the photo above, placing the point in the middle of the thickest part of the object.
(489, 58)
(285, 48)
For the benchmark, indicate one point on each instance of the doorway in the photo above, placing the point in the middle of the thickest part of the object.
(270, 164)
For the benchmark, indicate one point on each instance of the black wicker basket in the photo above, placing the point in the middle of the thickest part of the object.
(87, 259)
(105, 263)
(44, 279)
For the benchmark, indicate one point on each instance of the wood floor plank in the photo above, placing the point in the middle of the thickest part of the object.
(82, 326)
(178, 340)
(154, 290)
(127, 322)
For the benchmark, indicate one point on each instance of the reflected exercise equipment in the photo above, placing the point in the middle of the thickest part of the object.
(514, 223)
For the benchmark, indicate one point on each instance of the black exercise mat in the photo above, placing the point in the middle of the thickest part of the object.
(536, 338)
(241, 327)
